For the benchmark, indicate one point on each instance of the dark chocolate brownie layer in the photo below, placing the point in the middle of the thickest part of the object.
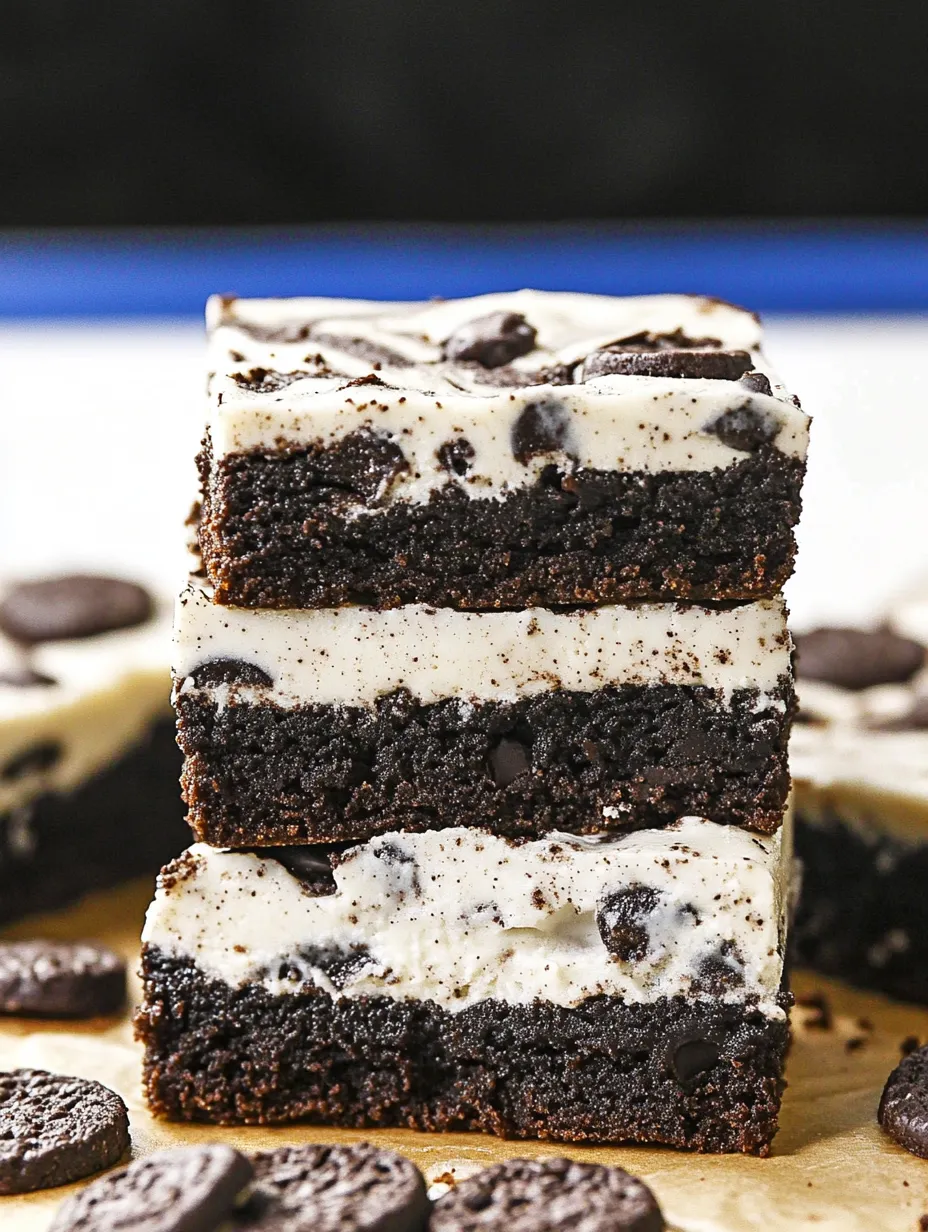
(126, 821)
(863, 910)
(700, 1076)
(282, 529)
(270, 775)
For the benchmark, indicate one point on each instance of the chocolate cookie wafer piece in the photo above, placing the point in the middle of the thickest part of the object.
(72, 606)
(316, 1188)
(903, 1111)
(535, 1195)
(55, 1129)
(53, 979)
(192, 1189)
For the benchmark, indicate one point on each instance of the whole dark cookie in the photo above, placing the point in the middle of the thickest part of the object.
(72, 606)
(705, 365)
(857, 658)
(57, 980)
(903, 1111)
(317, 1188)
(192, 1189)
(55, 1129)
(548, 1195)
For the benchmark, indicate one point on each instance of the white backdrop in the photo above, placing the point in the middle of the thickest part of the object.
(100, 423)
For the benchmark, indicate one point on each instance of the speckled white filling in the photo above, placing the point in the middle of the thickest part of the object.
(459, 916)
(625, 423)
(352, 656)
(108, 691)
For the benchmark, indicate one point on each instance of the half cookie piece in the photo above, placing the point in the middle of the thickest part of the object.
(333, 725)
(512, 450)
(579, 989)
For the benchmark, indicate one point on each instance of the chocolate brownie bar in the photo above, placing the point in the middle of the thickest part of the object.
(579, 989)
(859, 757)
(513, 450)
(336, 724)
(88, 769)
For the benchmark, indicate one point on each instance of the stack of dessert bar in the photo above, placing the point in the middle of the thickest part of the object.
(484, 691)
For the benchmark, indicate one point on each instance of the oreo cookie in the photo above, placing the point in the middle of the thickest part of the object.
(711, 365)
(56, 980)
(903, 1110)
(55, 1129)
(315, 1188)
(548, 1195)
(492, 340)
(192, 1189)
(857, 658)
(73, 606)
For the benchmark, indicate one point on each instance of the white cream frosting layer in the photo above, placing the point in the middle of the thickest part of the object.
(459, 916)
(845, 765)
(352, 655)
(108, 690)
(626, 423)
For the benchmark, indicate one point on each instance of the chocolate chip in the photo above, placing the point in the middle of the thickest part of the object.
(456, 455)
(542, 427)
(745, 427)
(229, 671)
(857, 658)
(757, 383)
(692, 1058)
(491, 340)
(903, 1110)
(621, 918)
(312, 865)
(704, 365)
(509, 760)
(74, 606)
(34, 760)
(25, 678)
(265, 380)
(544, 1195)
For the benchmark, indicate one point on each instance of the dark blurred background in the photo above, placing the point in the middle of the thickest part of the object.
(264, 112)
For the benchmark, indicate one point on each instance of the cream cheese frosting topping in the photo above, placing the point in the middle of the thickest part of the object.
(352, 656)
(311, 354)
(459, 916)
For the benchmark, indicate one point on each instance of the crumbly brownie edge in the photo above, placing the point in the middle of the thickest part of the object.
(702, 1076)
(126, 821)
(863, 912)
(263, 774)
(283, 529)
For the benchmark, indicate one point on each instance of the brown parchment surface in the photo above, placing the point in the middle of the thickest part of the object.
(831, 1168)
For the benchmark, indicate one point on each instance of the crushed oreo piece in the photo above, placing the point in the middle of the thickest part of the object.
(229, 671)
(621, 918)
(857, 658)
(903, 1110)
(35, 760)
(492, 340)
(542, 427)
(72, 606)
(710, 365)
(311, 865)
(720, 971)
(266, 380)
(456, 456)
(339, 965)
(676, 340)
(746, 427)
(757, 383)
(508, 760)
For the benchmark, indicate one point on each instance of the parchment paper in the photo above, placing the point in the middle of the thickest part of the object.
(831, 1168)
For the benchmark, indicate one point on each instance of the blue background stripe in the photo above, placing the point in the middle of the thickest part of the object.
(776, 268)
